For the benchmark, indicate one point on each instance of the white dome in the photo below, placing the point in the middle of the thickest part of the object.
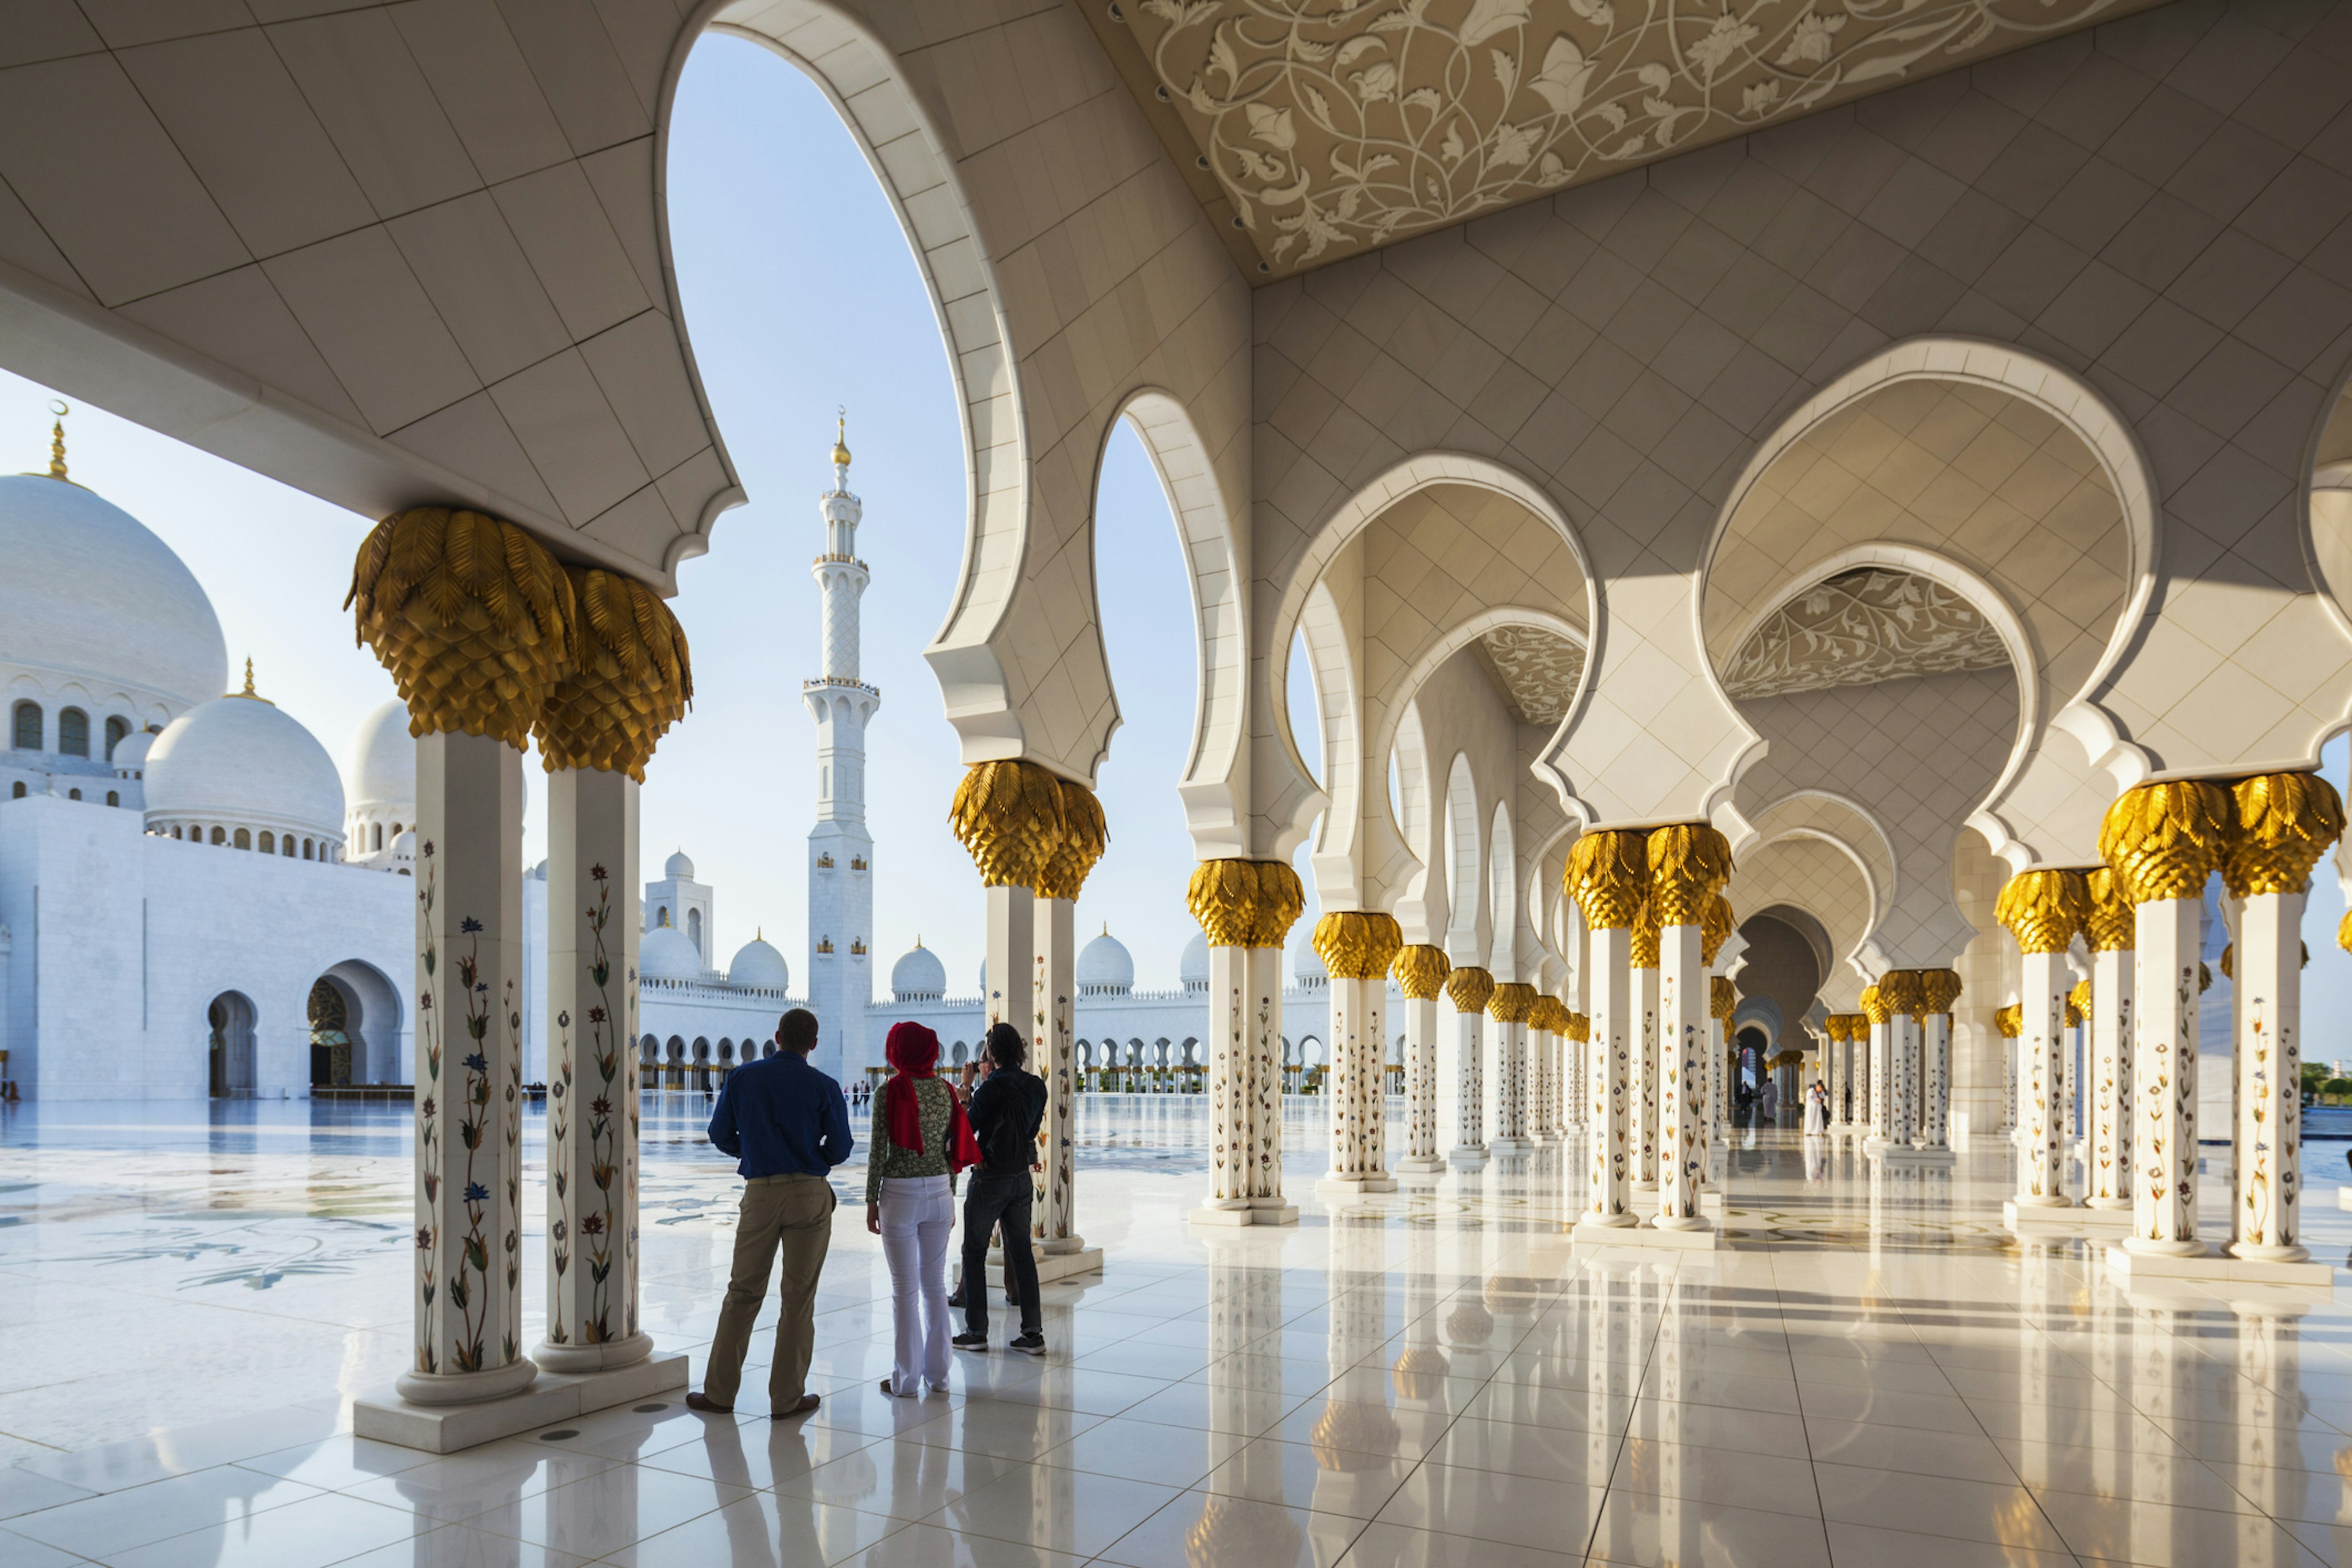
(758, 964)
(130, 751)
(240, 761)
(679, 867)
(1193, 969)
(380, 762)
(1307, 964)
(665, 953)
(91, 595)
(1104, 966)
(918, 973)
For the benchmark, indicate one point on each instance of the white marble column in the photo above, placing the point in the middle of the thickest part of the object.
(468, 893)
(1469, 990)
(1054, 1056)
(1608, 1055)
(2044, 910)
(1683, 999)
(593, 926)
(1506, 1013)
(1901, 993)
(1841, 1053)
(1010, 958)
(1941, 988)
(1880, 1111)
(1357, 948)
(1232, 1081)
(1246, 909)
(2108, 932)
(2284, 824)
(1641, 1100)
(1421, 972)
(1577, 1068)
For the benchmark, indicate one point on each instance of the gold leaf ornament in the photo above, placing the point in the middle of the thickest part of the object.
(1838, 1026)
(1245, 903)
(1715, 928)
(2078, 1004)
(1901, 995)
(1646, 935)
(1469, 990)
(1608, 875)
(1689, 863)
(2110, 926)
(1421, 971)
(1722, 999)
(1085, 836)
(1874, 1004)
(1356, 944)
(1511, 1003)
(630, 680)
(2044, 909)
(471, 616)
(1939, 989)
(2163, 840)
(1009, 816)
(2281, 825)
(2010, 1020)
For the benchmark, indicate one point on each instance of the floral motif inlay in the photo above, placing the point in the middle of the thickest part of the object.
(1334, 126)
(1538, 670)
(1859, 629)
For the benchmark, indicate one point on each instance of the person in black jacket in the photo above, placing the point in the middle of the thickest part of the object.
(1006, 1112)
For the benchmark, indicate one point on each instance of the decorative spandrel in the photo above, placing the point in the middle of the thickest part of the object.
(1861, 628)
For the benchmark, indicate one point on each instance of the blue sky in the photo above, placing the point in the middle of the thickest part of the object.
(800, 295)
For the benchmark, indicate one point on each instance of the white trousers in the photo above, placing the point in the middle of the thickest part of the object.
(918, 1212)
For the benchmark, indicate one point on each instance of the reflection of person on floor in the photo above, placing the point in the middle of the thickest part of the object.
(920, 1141)
(788, 1125)
(1006, 1111)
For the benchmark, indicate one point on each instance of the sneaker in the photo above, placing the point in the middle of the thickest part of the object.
(970, 1341)
(1029, 1344)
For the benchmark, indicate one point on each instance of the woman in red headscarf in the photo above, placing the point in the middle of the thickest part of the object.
(920, 1141)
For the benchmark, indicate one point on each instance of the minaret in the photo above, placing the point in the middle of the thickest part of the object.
(841, 852)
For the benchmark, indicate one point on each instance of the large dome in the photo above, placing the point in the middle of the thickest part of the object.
(240, 761)
(919, 973)
(380, 762)
(759, 966)
(91, 596)
(665, 953)
(1193, 969)
(1307, 964)
(1105, 967)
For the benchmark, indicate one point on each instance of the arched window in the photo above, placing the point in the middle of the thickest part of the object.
(379, 836)
(175, 833)
(118, 729)
(395, 830)
(113, 797)
(29, 727)
(244, 839)
(285, 847)
(661, 915)
(73, 732)
(694, 927)
(18, 793)
(73, 795)
(306, 849)
(269, 842)
(219, 836)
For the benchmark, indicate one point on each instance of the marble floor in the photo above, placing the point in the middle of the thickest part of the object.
(1873, 1373)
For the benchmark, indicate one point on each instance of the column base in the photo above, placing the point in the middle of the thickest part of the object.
(1915, 1158)
(1590, 1233)
(2038, 1220)
(1644, 1201)
(434, 1388)
(1468, 1154)
(2057, 1201)
(1510, 1145)
(610, 1356)
(1285, 1215)
(1350, 1186)
(1420, 1165)
(386, 1417)
(2121, 1205)
(1051, 1266)
(2211, 1267)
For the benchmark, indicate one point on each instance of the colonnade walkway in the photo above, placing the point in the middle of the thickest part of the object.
(1874, 1372)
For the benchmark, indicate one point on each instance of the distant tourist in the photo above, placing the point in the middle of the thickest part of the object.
(1007, 1109)
(787, 1125)
(920, 1141)
(1817, 1109)
(1768, 1103)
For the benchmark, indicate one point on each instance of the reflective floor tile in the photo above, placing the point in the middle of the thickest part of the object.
(762, 1531)
(1202, 1527)
(1066, 1510)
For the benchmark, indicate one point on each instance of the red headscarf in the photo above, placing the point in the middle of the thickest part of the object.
(914, 1052)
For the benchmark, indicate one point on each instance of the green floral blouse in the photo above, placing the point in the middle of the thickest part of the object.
(884, 1157)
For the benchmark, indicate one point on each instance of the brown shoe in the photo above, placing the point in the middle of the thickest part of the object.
(807, 1406)
(708, 1406)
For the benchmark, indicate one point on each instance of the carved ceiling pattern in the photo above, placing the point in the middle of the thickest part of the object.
(1859, 629)
(1537, 670)
(1322, 127)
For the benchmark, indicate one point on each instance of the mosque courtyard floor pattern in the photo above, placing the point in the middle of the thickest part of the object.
(1872, 1373)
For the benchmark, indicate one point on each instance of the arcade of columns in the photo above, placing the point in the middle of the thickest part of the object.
(492, 643)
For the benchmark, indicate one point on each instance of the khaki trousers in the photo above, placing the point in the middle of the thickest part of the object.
(793, 1216)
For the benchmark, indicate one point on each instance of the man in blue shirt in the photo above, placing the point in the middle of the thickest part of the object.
(787, 1125)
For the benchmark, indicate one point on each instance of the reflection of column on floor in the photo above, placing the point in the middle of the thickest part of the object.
(1357, 948)
(2285, 823)
(2269, 1420)
(1246, 909)
(2107, 932)
(1641, 1099)
(1469, 990)
(2163, 842)
(2044, 1289)
(1421, 973)
(1355, 1434)
(1609, 877)
(1244, 1306)
(2044, 911)
(474, 620)
(2165, 1371)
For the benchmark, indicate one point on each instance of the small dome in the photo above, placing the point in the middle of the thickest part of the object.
(919, 973)
(241, 761)
(91, 595)
(1307, 964)
(1193, 969)
(679, 867)
(758, 964)
(665, 953)
(130, 751)
(380, 761)
(1105, 967)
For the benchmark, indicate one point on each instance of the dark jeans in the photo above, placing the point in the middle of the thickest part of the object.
(988, 1202)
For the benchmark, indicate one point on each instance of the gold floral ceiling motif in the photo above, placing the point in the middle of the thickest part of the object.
(1319, 129)
(1859, 629)
(1536, 670)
